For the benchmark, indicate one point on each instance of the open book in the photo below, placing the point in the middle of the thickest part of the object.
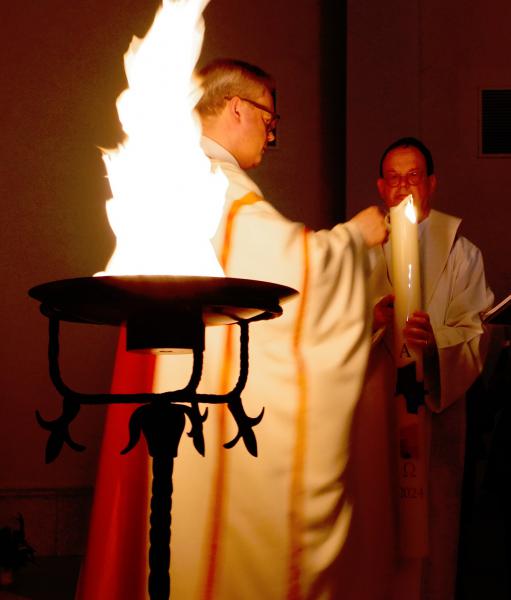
(500, 314)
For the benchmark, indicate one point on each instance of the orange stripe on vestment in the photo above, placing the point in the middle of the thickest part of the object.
(220, 477)
(296, 511)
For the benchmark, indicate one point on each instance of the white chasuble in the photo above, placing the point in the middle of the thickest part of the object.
(275, 526)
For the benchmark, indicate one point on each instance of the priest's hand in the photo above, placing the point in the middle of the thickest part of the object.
(371, 224)
(383, 312)
(419, 333)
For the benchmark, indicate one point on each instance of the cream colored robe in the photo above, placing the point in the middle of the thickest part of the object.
(454, 292)
(283, 517)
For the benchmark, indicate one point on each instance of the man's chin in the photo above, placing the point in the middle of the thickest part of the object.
(256, 162)
(395, 200)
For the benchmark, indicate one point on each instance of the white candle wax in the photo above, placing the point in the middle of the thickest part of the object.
(406, 278)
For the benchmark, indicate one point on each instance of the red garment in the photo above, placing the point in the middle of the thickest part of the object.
(118, 524)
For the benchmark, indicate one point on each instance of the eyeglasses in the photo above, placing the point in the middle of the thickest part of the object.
(411, 178)
(272, 123)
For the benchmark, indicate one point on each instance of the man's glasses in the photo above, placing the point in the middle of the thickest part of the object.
(411, 178)
(272, 123)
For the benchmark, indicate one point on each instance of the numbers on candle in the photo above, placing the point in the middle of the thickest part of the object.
(411, 493)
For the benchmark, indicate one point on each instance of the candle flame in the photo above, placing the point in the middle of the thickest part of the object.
(410, 212)
(166, 201)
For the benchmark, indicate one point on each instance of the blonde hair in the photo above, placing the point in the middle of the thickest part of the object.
(224, 78)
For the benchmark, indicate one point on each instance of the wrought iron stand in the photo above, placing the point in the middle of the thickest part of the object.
(189, 304)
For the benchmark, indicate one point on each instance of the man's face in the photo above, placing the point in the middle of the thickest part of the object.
(404, 172)
(256, 133)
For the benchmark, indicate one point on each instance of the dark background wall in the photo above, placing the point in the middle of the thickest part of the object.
(412, 68)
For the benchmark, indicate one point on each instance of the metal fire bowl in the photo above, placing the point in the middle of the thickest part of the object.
(113, 300)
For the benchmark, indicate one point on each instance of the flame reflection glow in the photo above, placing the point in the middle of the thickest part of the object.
(410, 212)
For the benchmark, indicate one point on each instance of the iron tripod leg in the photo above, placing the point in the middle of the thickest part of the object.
(160, 527)
(162, 424)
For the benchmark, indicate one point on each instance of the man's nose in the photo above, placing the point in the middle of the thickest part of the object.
(403, 182)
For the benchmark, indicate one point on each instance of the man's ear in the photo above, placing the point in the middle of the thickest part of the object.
(380, 182)
(234, 105)
(432, 183)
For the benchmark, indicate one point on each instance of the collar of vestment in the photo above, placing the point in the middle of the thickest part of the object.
(215, 151)
(438, 238)
(437, 234)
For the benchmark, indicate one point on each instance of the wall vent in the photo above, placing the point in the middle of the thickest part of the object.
(495, 113)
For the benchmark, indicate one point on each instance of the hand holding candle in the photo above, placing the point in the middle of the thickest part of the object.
(418, 332)
(372, 226)
(383, 312)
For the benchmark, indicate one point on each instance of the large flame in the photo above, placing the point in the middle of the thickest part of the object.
(166, 201)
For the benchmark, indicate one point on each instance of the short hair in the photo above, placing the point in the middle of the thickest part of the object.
(406, 142)
(226, 77)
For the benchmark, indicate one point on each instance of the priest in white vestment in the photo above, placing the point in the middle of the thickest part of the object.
(450, 334)
(275, 526)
